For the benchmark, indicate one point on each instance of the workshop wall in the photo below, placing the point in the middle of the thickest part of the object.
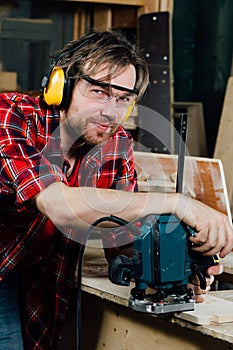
(202, 55)
(30, 32)
(202, 44)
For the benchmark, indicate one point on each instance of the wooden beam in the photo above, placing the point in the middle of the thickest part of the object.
(151, 6)
(224, 146)
(124, 17)
(113, 2)
(157, 6)
(102, 17)
(79, 22)
(196, 139)
(166, 5)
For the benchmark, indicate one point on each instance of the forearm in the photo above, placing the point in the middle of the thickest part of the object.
(81, 206)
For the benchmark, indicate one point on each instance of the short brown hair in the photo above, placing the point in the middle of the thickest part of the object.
(103, 47)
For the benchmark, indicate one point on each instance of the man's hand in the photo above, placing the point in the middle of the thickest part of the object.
(200, 294)
(214, 233)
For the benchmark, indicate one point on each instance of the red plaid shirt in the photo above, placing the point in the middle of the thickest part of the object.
(30, 160)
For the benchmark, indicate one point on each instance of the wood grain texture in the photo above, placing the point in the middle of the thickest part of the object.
(203, 179)
(214, 309)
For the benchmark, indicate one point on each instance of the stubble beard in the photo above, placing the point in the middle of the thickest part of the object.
(91, 137)
(95, 137)
(80, 130)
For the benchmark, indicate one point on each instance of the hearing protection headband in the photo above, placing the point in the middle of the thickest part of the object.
(76, 47)
(55, 86)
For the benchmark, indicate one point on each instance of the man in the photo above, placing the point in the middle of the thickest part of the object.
(65, 162)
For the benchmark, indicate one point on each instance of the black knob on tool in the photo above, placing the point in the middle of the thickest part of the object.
(196, 269)
(120, 270)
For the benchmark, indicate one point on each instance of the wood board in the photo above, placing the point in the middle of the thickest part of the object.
(217, 308)
(214, 309)
(196, 139)
(203, 179)
(224, 145)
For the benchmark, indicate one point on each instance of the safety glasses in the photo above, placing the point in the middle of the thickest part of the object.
(102, 92)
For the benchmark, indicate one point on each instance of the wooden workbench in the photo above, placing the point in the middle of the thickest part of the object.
(108, 322)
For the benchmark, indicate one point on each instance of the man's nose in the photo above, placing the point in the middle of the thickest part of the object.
(112, 98)
(110, 110)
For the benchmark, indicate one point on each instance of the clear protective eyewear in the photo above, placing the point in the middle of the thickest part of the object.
(102, 92)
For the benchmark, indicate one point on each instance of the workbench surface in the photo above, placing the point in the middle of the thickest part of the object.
(227, 263)
(95, 283)
(103, 288)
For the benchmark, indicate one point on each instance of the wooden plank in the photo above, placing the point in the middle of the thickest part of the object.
(112, 2)
(79, 21)
(124, 17)
(8, 81)
(166, 5)
(107, 325)
(224, 145)
(217, 308)
(204, 178)
(227, 263)
(102, 19)
(149, 6)
(231, 74)
(196, 138)
(214, 309)
(157, 6)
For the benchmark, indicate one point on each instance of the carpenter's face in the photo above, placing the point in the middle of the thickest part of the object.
(99, 104)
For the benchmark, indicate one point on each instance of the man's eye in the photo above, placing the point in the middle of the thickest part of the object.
(124, 99)
(99, 93)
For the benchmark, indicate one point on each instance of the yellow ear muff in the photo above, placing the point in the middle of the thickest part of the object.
(53, 93)
(127, 114)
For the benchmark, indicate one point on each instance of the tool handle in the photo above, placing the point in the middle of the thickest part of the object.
(200, 265)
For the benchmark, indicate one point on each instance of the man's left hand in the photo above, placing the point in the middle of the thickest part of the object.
(200, 294)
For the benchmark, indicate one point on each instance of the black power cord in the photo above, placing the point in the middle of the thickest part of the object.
(111, 218)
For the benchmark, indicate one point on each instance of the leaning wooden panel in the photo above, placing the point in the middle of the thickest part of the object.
(203, 178)
(224, 144)
(196, 136)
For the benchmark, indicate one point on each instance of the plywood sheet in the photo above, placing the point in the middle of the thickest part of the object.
(203, 178)
(214, 309)
(217, 308)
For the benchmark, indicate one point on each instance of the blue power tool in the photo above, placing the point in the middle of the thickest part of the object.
(162, 259)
